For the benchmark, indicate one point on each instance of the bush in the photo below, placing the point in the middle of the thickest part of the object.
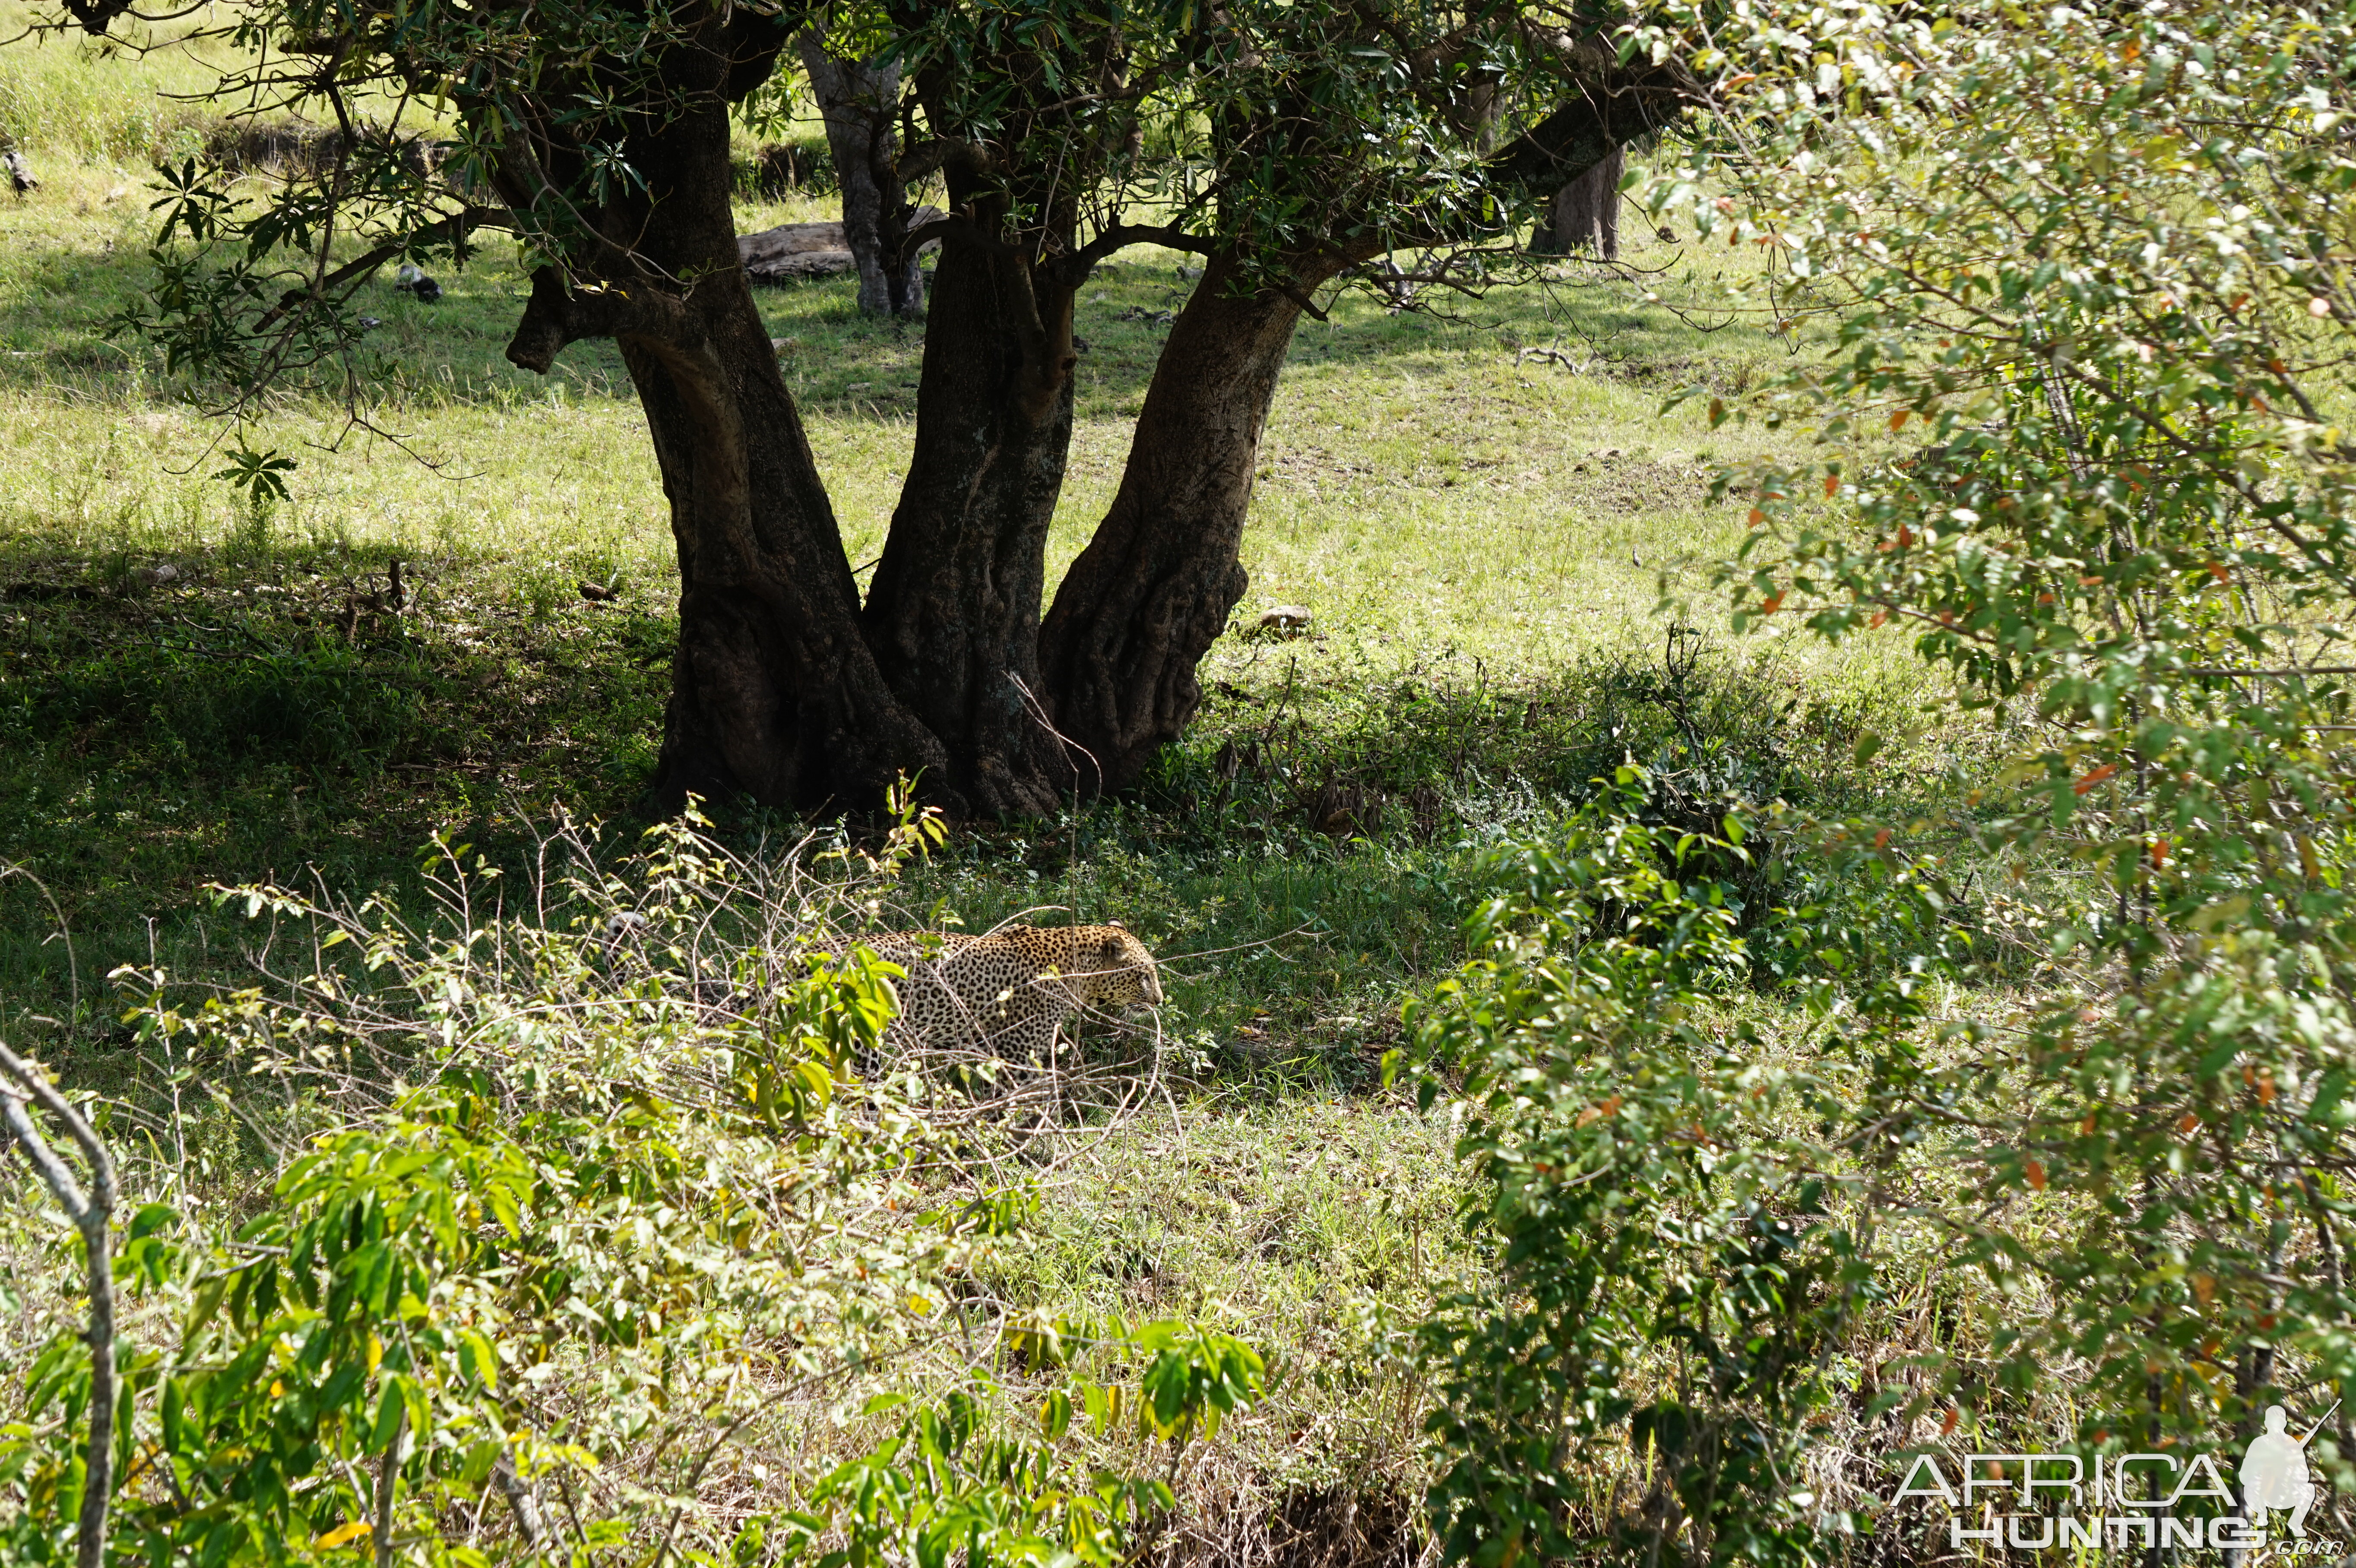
(1669, 1281)
(569, 1222)
(2087, 251)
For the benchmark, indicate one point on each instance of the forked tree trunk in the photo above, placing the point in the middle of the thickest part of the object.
(1153, 590)
(856, 98)
(785, 687)
(953, 613)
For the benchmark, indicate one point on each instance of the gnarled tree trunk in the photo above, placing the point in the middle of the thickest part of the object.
(1153, 590)
(953, 613)
(785, 687)
(775, 690)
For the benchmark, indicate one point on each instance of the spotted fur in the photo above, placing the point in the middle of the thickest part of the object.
(1005, 993)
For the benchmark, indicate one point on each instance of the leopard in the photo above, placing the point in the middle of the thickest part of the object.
(1005, 993)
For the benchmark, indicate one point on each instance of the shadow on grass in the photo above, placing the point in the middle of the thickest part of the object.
(280, 717)
(1308, 856)
(1301, 859)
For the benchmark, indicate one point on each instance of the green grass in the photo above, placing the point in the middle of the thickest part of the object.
(69, 100)
(1485, 542)
(1440, 507)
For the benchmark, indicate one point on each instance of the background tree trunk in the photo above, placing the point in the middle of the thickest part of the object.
(953, 612)
(1587, 210)
(1153, 590)
(857, 98)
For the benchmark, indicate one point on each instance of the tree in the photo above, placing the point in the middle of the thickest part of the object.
(1587, 210)
(1286, 144)
(855, 99)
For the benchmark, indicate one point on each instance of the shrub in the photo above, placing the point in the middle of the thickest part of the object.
(1671, 1278)
(569, 1221)
(2088, 251)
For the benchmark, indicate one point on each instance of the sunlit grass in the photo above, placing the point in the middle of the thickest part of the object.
(1453, 510)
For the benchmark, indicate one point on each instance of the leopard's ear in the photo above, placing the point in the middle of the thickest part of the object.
(1115, 925)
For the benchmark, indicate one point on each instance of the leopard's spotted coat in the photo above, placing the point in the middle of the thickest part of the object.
(1005, 993)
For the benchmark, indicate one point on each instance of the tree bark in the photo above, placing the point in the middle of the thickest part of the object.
(1587, 210)
(774, 690)
(1145, 600)
(953, 612)
(21, 1081)
(785, 687)
(856, 100)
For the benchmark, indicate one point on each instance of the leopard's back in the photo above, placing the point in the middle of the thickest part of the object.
(1005, 992)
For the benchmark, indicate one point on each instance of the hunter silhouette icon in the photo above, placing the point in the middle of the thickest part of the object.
(2274, 1473)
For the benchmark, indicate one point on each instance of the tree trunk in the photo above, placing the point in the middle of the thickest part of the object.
(785, 687)
(1153, 590)
(774, 690)
(953, 613)
(1587, 210)
(856, 100)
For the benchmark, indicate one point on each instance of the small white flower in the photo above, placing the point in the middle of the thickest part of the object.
(2318, 307)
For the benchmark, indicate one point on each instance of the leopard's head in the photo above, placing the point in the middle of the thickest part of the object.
(1123, 970)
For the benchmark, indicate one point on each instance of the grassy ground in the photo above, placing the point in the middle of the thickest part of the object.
(1460, 519)
(190, 694)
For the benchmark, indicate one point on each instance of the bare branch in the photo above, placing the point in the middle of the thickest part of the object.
(388, 1479)
(522, 1501)
(1294, 292)
(1076, 267)
(964, 231)
(21, 1081)
(456, 227)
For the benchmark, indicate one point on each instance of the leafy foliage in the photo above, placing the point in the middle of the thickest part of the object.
(1272, 129)
(568, 1231)
(940, 1488)
(1671, 1278)
(2095, 256)
(1303, 140)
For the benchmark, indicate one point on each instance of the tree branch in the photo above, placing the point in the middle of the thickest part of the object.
(1300, 296)
(2283, 674)
(559, 314)
(960, 229)
(388, 1478)
(521, 1502)
(1612, 109)
(456, 227)
(1075, 267)
(933, 156)
(20, 1081)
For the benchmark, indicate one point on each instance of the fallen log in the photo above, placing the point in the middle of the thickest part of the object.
(796, 251)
